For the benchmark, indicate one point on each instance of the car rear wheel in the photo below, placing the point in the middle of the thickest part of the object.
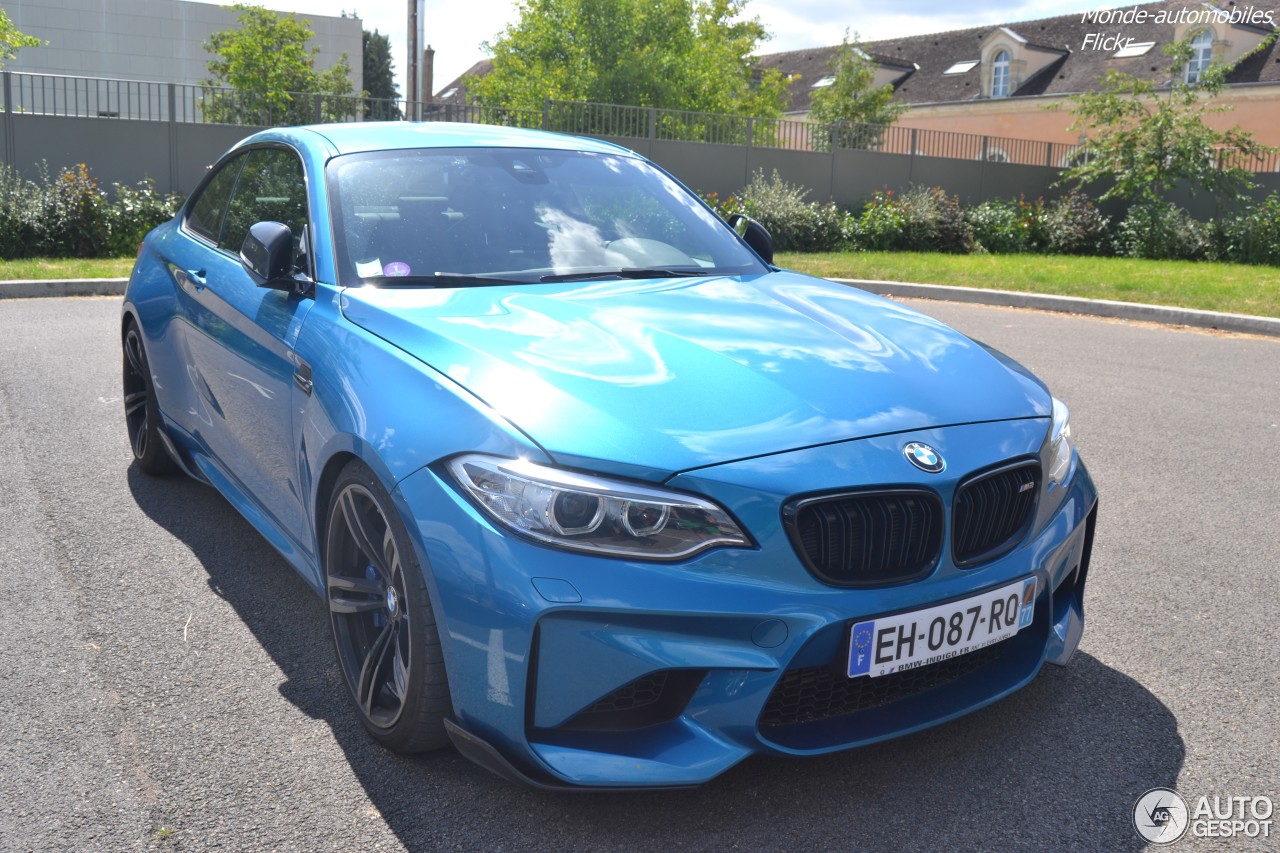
(384, 629)
(141, 414)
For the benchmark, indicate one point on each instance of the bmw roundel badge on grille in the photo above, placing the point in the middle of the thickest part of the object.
(924, 457)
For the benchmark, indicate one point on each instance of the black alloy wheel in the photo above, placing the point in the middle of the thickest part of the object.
(384, 629)
(141, 414)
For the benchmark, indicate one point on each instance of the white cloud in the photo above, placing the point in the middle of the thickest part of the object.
(797, 24)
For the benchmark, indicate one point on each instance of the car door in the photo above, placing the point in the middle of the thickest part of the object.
(239, 337)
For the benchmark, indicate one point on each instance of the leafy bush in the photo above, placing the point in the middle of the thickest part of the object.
(1250, 236)
(879, 228)
(72, 220)
(724, 207)
(18, 200)
(1160, 230)
(922, 219)
(934, 221)
(137, 209)
(795, 224)
(1074, 226)
(1008, 227)
(69, 216)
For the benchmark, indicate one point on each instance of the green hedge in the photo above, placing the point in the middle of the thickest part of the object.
(69, 216)
(926, 219)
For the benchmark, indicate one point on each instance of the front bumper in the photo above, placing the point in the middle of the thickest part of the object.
(573, 670)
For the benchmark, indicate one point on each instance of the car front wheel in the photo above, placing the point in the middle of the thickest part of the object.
(141, 414)
(384, 629)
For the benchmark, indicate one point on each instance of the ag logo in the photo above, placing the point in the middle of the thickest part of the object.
(924, 457)
(1160, 816)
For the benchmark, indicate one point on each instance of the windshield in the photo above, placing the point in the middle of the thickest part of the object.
(471, 216)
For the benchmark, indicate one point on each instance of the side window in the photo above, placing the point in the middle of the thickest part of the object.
(205, 217)
(271, 188)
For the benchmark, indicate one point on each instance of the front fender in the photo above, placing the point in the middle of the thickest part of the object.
(372, 401)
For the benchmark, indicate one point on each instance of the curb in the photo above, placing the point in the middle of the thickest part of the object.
(1245, 323)
(36, 288)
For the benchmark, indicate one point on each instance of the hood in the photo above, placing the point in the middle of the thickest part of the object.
(650, 378)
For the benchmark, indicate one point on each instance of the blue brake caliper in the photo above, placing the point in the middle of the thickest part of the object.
(379, 618)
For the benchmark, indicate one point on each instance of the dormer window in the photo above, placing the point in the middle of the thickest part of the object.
(1000, 75)
(1132, 49)
(1201, 56)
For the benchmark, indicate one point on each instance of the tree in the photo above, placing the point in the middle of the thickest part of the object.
(379, 78)
(12, 39)
(852, 101)
(674, 54)
(1147, 139)
(267, 62)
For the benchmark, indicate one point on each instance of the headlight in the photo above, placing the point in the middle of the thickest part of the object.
(1061, 445)
(592, 513)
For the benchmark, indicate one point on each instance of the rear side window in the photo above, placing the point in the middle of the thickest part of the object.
(205, 217)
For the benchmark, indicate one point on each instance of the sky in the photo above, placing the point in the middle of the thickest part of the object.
(456, 28)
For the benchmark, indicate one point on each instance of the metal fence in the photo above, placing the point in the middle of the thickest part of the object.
(47, 94)
(56, 95)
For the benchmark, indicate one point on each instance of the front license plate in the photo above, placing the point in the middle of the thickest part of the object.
(921, 637)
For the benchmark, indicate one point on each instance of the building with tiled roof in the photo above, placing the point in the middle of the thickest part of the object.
(455, 92)
(1004, 78)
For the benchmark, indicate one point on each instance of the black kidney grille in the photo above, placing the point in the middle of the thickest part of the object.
(871, 538)
(992, 512)
(822, 692)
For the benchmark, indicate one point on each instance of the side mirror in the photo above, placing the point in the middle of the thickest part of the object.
(267, 253)
(754, 235)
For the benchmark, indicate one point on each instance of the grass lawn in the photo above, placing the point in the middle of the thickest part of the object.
(60, 268)
(1234, 288)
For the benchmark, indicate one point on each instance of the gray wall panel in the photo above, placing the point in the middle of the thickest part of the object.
(198, 146)
(175, 155)
(957, 177)
(799, 167)
(860, 173)
(721, 169)
(116, 151)
(1011, 180)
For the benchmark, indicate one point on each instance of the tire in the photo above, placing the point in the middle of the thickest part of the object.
(141, 412)
(384, 630)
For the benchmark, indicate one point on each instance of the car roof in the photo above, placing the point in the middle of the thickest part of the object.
(354, 137)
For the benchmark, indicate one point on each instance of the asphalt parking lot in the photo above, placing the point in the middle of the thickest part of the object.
(168, 682)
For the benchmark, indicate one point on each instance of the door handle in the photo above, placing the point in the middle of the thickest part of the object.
(302, 378)
(197, 277)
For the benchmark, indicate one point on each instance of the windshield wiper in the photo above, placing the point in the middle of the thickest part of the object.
(441, 279)
(628, 272)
